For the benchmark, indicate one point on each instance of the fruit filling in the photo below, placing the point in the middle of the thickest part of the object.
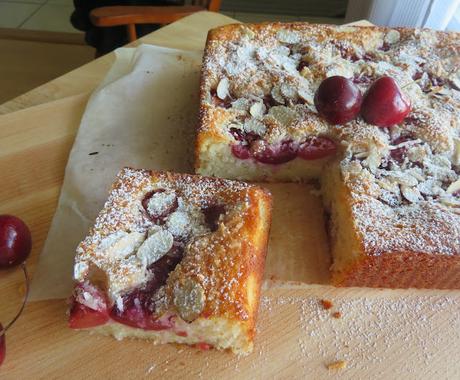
(172, 223)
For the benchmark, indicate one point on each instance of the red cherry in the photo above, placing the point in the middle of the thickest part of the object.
(317, 147)
(338, 100)
(84, 313)
(82, 317)
(15, 241)
(274, 154)
(2, 345)
(384, 104)
(241, 151)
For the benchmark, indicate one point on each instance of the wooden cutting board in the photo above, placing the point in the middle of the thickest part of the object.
(379, 333)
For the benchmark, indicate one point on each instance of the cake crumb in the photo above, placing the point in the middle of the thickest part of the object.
(326, 304)
(337, 314)
(339, 364)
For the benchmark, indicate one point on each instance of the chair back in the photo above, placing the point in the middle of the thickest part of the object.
(211, 5)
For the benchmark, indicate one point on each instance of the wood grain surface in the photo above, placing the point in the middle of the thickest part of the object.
(379, 334)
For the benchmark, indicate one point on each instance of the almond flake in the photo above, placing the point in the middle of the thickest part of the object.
(241, 104)
(283, 115)
(306, 95)
(411, 194)
(179, 223)
(276, 94)
(288, 36)
(160, 202)
(257, 110)
(392, 36)
(121, 244)
(155, 247)
(223, 89)
(255, 126)
(288, 91)
(453, 187)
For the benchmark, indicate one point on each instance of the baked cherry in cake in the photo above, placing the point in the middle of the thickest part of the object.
(389, 166)
(174, 258)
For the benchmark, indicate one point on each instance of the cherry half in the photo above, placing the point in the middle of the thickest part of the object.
(15, 246)
(338, 100)
(384, 104)
(315, 148)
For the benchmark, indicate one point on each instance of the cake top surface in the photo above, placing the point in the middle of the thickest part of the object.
(259, 80)
(172, 235)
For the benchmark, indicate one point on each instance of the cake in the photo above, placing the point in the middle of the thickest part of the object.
(174, 258)
(392, 191)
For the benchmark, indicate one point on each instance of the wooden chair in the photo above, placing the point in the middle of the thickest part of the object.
(132, 15)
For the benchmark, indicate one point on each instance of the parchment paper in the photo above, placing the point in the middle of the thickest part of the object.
(142, 115)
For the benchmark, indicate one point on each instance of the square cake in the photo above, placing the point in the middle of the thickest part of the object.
(392, 189)
(174, 258)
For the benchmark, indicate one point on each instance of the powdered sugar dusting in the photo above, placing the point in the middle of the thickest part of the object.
(399, 177)
(213, 259)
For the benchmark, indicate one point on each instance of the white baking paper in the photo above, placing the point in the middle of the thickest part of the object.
(142, 115)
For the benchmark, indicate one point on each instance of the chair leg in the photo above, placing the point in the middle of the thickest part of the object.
(131, 32)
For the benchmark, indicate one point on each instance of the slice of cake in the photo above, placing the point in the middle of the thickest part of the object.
(174, 258)
(389, 172)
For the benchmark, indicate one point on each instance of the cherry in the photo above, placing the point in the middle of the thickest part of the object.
(338, 100)
(2, 344)
(168, 208)
(317, 147)
(212, 214)
(139, 305)
(274, 154)
(240, 151)
(83, 315)
(15, 241)
(15, 246)
(384, 104)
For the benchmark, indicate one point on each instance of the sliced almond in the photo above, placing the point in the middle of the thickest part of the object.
(453, 187)
(255, 126)
(257, 110)
(412, 194)
(223, 89)
(288, 36)
(456, 155)
(155, 247)
(283, 115)
(392, 36)
(276, 94)
(189, 299)
(121, 244)
(288, 91)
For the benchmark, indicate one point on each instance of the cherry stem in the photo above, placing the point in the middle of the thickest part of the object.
(26, 296)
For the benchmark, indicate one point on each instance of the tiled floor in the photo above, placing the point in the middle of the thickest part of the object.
(49, 15)
(54, 15)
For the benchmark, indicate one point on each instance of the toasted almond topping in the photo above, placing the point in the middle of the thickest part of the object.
(223, 89)
(453, 187)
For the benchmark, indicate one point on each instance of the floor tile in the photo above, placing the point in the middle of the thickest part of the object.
(24, 1)
(14, 14)
(51, 17)
(60, 2)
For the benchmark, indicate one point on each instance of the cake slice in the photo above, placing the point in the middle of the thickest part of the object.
(392, 189)
(174, 258)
